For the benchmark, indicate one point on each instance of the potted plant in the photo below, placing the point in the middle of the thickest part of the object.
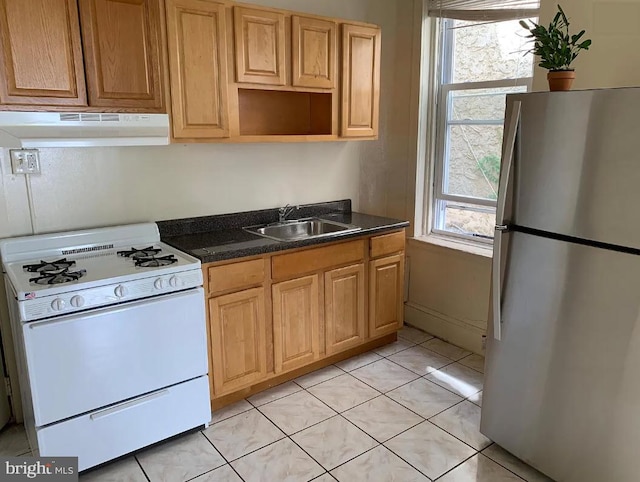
(557, 49)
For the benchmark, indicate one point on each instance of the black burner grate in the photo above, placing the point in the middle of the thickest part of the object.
(156, 262)
(140, 253)
(48, 266)
(58, 277)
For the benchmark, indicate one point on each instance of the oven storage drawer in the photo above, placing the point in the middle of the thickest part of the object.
(117, 430)
(85, 361)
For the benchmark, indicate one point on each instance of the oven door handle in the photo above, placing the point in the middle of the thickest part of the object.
(129, 404)
(39, 324)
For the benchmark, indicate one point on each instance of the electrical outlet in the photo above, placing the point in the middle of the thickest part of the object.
(25, 161)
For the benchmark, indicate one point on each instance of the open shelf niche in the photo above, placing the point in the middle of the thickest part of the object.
(284, 113)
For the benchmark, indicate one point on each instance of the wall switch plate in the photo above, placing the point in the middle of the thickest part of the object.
(25, 161)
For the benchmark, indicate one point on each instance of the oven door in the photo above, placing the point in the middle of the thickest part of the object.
(85, 361)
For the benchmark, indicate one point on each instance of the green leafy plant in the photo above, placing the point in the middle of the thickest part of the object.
(554, 45)
(490, 167)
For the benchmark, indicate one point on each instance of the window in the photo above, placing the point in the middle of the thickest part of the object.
(479, 63)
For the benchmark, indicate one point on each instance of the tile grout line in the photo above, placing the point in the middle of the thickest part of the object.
(407, 383)
(419, 374)
(305, 388)
(385, 393)
(338, 414)
(423, 419)
(381, 443)
(477, 452)
(252, 451)
(211, 424)
(357, 405)
(298, 445)
(504, 466)
(378, 444)
(221, 455)
(420, 471)
(303, 429)
(135, 457)
(454, 436)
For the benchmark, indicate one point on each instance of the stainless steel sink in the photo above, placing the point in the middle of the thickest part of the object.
(299, 229)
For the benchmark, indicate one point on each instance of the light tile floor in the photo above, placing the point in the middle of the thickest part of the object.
(408, 411)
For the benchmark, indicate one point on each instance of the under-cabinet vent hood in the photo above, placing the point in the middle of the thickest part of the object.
(86, 129)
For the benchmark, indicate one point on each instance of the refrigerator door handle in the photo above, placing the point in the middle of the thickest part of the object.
(511, 128)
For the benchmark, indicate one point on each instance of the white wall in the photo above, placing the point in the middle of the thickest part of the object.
(83, 187)
(104, 186)
(614, 26)
(449, 288)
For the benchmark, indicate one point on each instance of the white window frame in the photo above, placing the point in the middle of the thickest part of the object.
(443, 53)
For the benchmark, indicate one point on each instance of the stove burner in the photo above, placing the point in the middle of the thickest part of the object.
(154, 262)
(58, 277)
(48, 266)
(140, 253)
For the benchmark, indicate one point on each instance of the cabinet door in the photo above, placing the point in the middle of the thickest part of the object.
(196, 31)
(296, 334)
(314, 52)
(344, 297)
(41, 53)
(121, 40)
(260, 46)
(360, 81)
(238, 340)
(386, 280)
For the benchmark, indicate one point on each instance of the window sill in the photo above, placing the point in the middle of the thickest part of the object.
(458, 245)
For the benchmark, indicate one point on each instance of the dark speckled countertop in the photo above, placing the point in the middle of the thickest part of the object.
(216, 238)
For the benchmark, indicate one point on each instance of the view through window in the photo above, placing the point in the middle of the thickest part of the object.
(480, 62)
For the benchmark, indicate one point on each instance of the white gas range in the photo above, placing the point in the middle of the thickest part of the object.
(110, 336)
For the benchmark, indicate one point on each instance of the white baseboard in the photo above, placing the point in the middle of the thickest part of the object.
(454, 331)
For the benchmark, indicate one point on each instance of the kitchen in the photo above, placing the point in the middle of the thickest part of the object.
(121, 185)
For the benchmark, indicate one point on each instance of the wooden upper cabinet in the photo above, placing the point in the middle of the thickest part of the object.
(238, 340)
(313, 46)
(41, 53)
(296, 331)
(386, 283)
(122, 40)
(360, 81)
(196, 31)
(344, 299)
(260, 46)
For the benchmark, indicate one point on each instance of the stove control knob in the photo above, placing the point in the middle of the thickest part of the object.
(120, 291)
(77, 301)
(174, 282)
(57, 304)
(159, 284)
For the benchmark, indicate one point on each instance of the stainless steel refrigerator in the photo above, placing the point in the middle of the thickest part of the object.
(562, 375)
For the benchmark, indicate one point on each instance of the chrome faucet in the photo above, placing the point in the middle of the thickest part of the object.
(286, 211)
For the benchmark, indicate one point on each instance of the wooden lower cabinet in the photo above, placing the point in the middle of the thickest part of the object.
(238, 340)
(386, 289)
(296, 330)
(344, 303)
(278, 316)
